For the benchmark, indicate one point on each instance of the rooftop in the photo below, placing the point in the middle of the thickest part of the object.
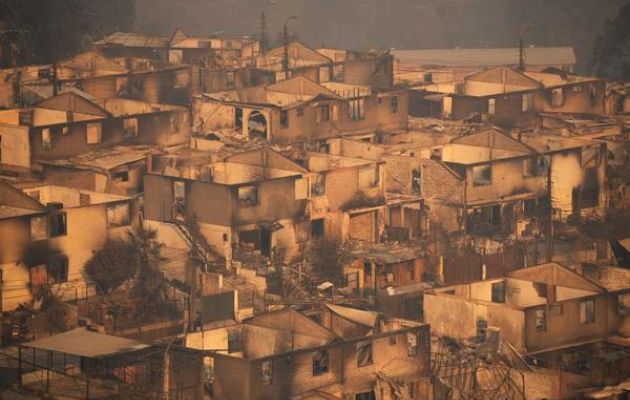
(285, 94)
(70, 197)
(487, 57)
(104, 159)
(85, 343)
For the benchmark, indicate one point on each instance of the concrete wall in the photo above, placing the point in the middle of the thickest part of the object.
(457, 317)
(152, 129)
(507, 180)
(87, 231)
(577, 100)
(564, 327)
(293, 373)
(15, 146)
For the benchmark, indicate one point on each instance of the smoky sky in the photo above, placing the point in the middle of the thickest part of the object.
(366, 24)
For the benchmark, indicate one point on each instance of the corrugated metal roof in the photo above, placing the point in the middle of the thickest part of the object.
(487, 57)
(84, 343)
(366, 318)
(133, 40)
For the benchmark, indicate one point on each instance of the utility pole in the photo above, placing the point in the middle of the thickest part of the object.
(264, 42)
(521, 55)
(549, 230)
(285, 59)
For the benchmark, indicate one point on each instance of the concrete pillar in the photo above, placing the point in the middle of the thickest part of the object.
(246, 114)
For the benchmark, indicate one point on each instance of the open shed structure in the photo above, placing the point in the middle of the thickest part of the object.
(82, 364)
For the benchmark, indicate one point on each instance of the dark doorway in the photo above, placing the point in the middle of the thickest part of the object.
(317, 228)
(265, 242)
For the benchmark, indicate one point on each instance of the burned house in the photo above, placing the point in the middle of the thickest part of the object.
(328, 65)
(485, 183)
(259, 203)
(375, 268)
(50, 232)
(134, 78)
(345, 196)
(273, 201)
(73, 123)
(510, 98)
(350, 354)
(539, 309)
(299, 109)
(453, 65)
(577, 173)
(179, 48)
(116, 170)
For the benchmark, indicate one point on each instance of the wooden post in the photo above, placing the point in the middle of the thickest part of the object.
(87, 386)
(20, 366)
(48, 357)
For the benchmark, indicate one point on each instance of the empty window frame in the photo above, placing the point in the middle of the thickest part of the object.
(179, 190)
(130, 127)
(323, 113)
(492, 106)
(395, 104)
(356, 109)
(530, 166)
(498, 292)
(46, 139)
(623, 304)
(266, 370)
(58, 269)
(58, 224)
(121, 176)
(371, 395)
(528, 102)
(300, 111)
(365, 355)
(412, 344)
(25, 117)
(415, 181)
(482, 175)
(38, 228)
(176, 120)
(318, 185)
(557, 97)
(577, 89)
(235, 340)
(541, 320)
(93, 133)
(248, 195)
(590, 156)
(320, 362)
(118, 215)
(587, 311)
(284, 119)
(369, 176)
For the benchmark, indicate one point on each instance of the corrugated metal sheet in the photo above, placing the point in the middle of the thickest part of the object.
(84, 343)
(486, 57)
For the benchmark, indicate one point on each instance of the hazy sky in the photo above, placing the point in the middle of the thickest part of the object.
(364, 24)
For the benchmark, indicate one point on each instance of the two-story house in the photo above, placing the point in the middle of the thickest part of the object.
(548, 312)
(511, 98)
(50, 134)
(49, 233)
(346, 354)
(299, 109)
